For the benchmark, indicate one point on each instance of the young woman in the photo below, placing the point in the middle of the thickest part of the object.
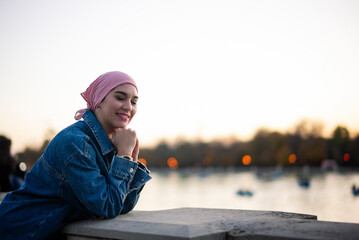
(88, 170)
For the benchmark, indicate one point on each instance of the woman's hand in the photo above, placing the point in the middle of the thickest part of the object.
(125, 142)
(136, 151)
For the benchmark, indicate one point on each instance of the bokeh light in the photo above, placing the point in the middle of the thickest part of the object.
(207, 161)
(143, 161)
(22, 166)
(172, 163)
(346, 157)
(246, 160)
(292, 158)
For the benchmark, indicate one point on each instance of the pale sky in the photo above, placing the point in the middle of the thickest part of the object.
(205, 68)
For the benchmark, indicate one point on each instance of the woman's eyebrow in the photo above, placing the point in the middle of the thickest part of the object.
(123, 93)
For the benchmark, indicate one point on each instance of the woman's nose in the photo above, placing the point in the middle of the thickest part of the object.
(127, 105)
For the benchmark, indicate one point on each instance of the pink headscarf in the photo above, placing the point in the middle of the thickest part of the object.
(99, 89)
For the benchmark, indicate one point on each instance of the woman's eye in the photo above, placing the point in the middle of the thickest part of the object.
(133, 102)
(120, 98)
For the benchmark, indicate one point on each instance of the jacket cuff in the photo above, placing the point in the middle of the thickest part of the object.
(141, 177)
(123, 168)
(143, 167)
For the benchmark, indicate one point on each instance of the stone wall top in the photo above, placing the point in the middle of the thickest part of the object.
(202, 223)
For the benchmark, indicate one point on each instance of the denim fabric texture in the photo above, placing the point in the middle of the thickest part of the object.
(79, 176)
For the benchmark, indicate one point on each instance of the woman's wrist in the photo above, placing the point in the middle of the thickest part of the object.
(126, 157)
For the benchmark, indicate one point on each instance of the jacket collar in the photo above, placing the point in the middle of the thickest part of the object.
(98, 131)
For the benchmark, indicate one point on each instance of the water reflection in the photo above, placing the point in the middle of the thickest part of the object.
(328, 195)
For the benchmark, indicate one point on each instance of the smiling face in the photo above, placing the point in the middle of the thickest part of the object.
(118, 108)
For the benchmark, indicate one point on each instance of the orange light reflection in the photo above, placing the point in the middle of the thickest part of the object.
(292, 158)
(207, 161)
(346, 157)
(143, 161)
(246, 160)
(172, 163)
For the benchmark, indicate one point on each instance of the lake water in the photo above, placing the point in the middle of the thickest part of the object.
(329, 195)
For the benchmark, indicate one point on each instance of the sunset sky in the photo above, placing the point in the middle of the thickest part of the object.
(205, 68)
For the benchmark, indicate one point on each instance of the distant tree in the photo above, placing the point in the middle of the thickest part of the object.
(294, 141)
(264, 147)
(283, 152)
(354, 152)
(312, 151)
(161, 153)
(307, 128)
(185, 154)
(339, 143)
(31, 155)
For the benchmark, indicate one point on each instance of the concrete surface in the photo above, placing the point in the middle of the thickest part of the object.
(201, 223)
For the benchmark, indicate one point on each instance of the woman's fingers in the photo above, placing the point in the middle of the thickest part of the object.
(124, 139)
(136, 151)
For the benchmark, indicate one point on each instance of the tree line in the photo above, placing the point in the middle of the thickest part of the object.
(304, 146)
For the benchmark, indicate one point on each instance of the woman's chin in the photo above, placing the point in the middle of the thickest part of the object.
(122, 125)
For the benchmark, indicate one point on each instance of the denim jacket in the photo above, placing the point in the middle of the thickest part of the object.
(79, 176)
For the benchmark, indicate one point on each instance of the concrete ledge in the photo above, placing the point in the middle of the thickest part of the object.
(201, 223)
(295, 229)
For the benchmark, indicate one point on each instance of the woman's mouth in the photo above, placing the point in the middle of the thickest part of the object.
(123, 116)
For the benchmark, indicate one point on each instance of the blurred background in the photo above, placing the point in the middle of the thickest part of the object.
(243, 104)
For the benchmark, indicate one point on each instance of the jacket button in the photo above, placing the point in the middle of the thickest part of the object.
(131, 170)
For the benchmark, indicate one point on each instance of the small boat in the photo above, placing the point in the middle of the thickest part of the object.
(244, 193)
(355, 190)
(304, 182)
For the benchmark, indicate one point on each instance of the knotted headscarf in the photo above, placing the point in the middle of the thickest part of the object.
(102, 86)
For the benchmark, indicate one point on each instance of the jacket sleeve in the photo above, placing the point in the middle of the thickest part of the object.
(101, 195)
(140, 178)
